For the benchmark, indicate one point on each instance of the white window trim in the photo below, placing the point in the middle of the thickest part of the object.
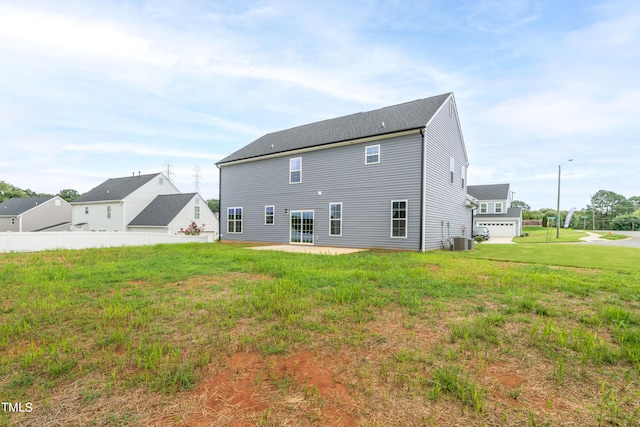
(496, 206)
(484, 208)
(273, 215)
(330, 219)
(235, 220)
(406, 219)
(196, 212)
(108, 212)
(366, 156)
(463, 176)
(295, 170)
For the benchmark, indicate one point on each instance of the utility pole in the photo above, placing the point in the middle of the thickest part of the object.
(168, 170)
(196, 179)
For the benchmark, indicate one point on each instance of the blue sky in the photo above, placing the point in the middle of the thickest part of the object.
(97, 90)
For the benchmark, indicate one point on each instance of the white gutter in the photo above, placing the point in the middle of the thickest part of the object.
(423, 192)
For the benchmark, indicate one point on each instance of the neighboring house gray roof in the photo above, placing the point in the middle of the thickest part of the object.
(115, 188)
(511, 213)
(19, 205)
(162, 210)
(52, 226)
(410, 115)
(489, 192)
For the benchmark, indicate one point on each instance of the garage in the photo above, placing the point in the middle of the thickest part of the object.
(499, 229)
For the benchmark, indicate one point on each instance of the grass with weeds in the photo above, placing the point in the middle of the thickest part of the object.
(548, 235)
(371, 338)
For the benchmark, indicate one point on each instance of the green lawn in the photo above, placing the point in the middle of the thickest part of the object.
(217, 334)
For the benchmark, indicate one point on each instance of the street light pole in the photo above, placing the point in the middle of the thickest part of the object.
(558, 207)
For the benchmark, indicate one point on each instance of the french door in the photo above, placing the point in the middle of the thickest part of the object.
(301, 227)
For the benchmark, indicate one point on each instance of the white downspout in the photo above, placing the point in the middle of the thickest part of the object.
(423, 189)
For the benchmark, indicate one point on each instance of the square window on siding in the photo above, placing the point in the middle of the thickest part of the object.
(372, 154)
(399, 218)
(269, 215)
(335, 219)
(452, 167)
(234, 220)
(196, 212)
(498, 207)
(483, 208)
(295, 170)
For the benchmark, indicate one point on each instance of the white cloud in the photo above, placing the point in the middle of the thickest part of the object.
(73, 35)
(143, 150)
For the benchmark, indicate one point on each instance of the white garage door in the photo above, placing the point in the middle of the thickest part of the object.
(499, 229)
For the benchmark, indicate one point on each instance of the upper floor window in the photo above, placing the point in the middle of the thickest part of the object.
(196, 212)
(161, 181)
(295, 170)
(86, 209)
(372, 154)
(483, 208)
(452, 167)
(463, 175)
(269, 215)
(498, 207)
(108, 212)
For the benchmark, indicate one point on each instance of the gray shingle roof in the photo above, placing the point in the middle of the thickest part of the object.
(115, 188)
(19, 205)
(162, 210)
(489, 192)
(410, 115)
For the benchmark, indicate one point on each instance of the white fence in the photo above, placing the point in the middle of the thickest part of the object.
(29, 242)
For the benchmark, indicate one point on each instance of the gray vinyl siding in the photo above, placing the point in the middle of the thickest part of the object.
(46, 215)
(341, 175)
(446, 214)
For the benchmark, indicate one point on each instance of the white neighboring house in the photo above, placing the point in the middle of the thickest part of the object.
(169, 213)
(494, 211)
(112, 205)
(49, 213)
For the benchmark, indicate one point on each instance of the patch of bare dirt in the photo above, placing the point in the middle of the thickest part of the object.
(301, 386)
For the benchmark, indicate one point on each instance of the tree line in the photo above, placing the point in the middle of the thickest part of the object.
(8, 191)
(607, 211)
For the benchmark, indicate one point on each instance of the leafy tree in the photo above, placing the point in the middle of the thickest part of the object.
(521, 204)
(626, 223)
(68, 194)
(214, 205)
(635, 201)
(8, 191)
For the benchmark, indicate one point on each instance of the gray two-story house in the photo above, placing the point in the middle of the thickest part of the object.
(389, 178)
(494, 210)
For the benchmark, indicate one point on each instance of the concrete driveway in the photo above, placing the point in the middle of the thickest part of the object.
(633, 240)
